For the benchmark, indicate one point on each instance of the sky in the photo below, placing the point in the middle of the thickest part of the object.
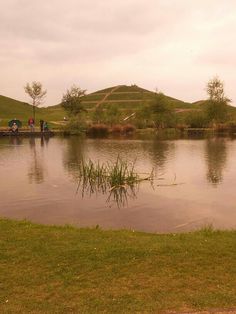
(175, 46)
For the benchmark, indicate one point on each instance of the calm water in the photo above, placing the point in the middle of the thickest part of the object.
(194, 185)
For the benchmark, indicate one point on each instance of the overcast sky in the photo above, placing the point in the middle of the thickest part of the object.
(173, 45)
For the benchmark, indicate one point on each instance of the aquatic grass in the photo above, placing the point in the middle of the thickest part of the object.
(120, 173)
(119, 179)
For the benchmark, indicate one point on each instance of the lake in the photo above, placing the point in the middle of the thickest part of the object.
(193, 185)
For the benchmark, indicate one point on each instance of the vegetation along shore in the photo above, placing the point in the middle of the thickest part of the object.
(123, 109)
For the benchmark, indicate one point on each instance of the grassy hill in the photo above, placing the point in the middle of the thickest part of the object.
(122, 98)
(126, 97)
(11, 108)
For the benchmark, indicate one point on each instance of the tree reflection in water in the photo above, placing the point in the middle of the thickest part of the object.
(216, 159)
(36, 169)
(159, 151)
(73, 155)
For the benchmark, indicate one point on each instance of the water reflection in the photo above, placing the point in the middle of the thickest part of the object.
(53, 201)
(73, 155)
(15, 140)
(159, 151)
(119, 196)
(36, 166)
(216, 159)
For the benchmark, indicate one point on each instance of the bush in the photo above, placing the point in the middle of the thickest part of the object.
(74, 127)
(98, 130)
(128, 128)
(117, 128)
(232, 127)
(123, 129)
(181, 127)
(197, 120)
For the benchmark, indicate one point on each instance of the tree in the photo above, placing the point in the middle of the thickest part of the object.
(217, 103)
(37, 94)
(112, 114)
(72, 100)
(161, 111)
(215, 90)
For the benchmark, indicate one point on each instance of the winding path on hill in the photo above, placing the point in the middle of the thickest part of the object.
(107, 95)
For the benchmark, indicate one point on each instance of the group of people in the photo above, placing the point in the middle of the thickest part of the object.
(31, 124)
(43, 125)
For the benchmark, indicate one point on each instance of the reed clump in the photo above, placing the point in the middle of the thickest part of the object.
(103, 177)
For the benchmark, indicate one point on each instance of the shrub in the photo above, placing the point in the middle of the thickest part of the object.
(232, 127)
(74, 127)
(98, 130)
(181, 127)
(128, 128)
(117, 128)
(197, 120)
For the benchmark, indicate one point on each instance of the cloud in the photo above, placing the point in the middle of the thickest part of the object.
(101, 43)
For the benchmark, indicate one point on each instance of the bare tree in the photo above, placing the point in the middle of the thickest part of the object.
(215, 90)
(36, 93)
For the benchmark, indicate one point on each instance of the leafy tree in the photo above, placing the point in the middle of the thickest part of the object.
(98, 115)
(37, 94)
(163, 115)
(196, 119)
(72, 100)
(112, 114)
(216, 106)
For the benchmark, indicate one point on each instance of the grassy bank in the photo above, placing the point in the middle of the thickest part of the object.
(49, 269)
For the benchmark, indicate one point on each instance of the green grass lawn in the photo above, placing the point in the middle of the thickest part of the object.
(50, 269)
(10, 109)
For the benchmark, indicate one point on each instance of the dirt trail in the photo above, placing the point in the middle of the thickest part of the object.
(107, 95)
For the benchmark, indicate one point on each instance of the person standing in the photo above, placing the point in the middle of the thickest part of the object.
(31, 124)
(41, 122)
(45, 126)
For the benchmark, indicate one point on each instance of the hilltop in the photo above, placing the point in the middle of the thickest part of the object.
(126, 97)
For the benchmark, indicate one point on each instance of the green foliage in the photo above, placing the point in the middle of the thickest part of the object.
(197, 119)
(72, 100)
(113, 115)
(108, 175)
(216, 111)
(163, 115)
(216, 106)
(99, 115)
(76, 125)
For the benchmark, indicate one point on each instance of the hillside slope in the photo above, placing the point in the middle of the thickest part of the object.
(126, 97)
(11, 108)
